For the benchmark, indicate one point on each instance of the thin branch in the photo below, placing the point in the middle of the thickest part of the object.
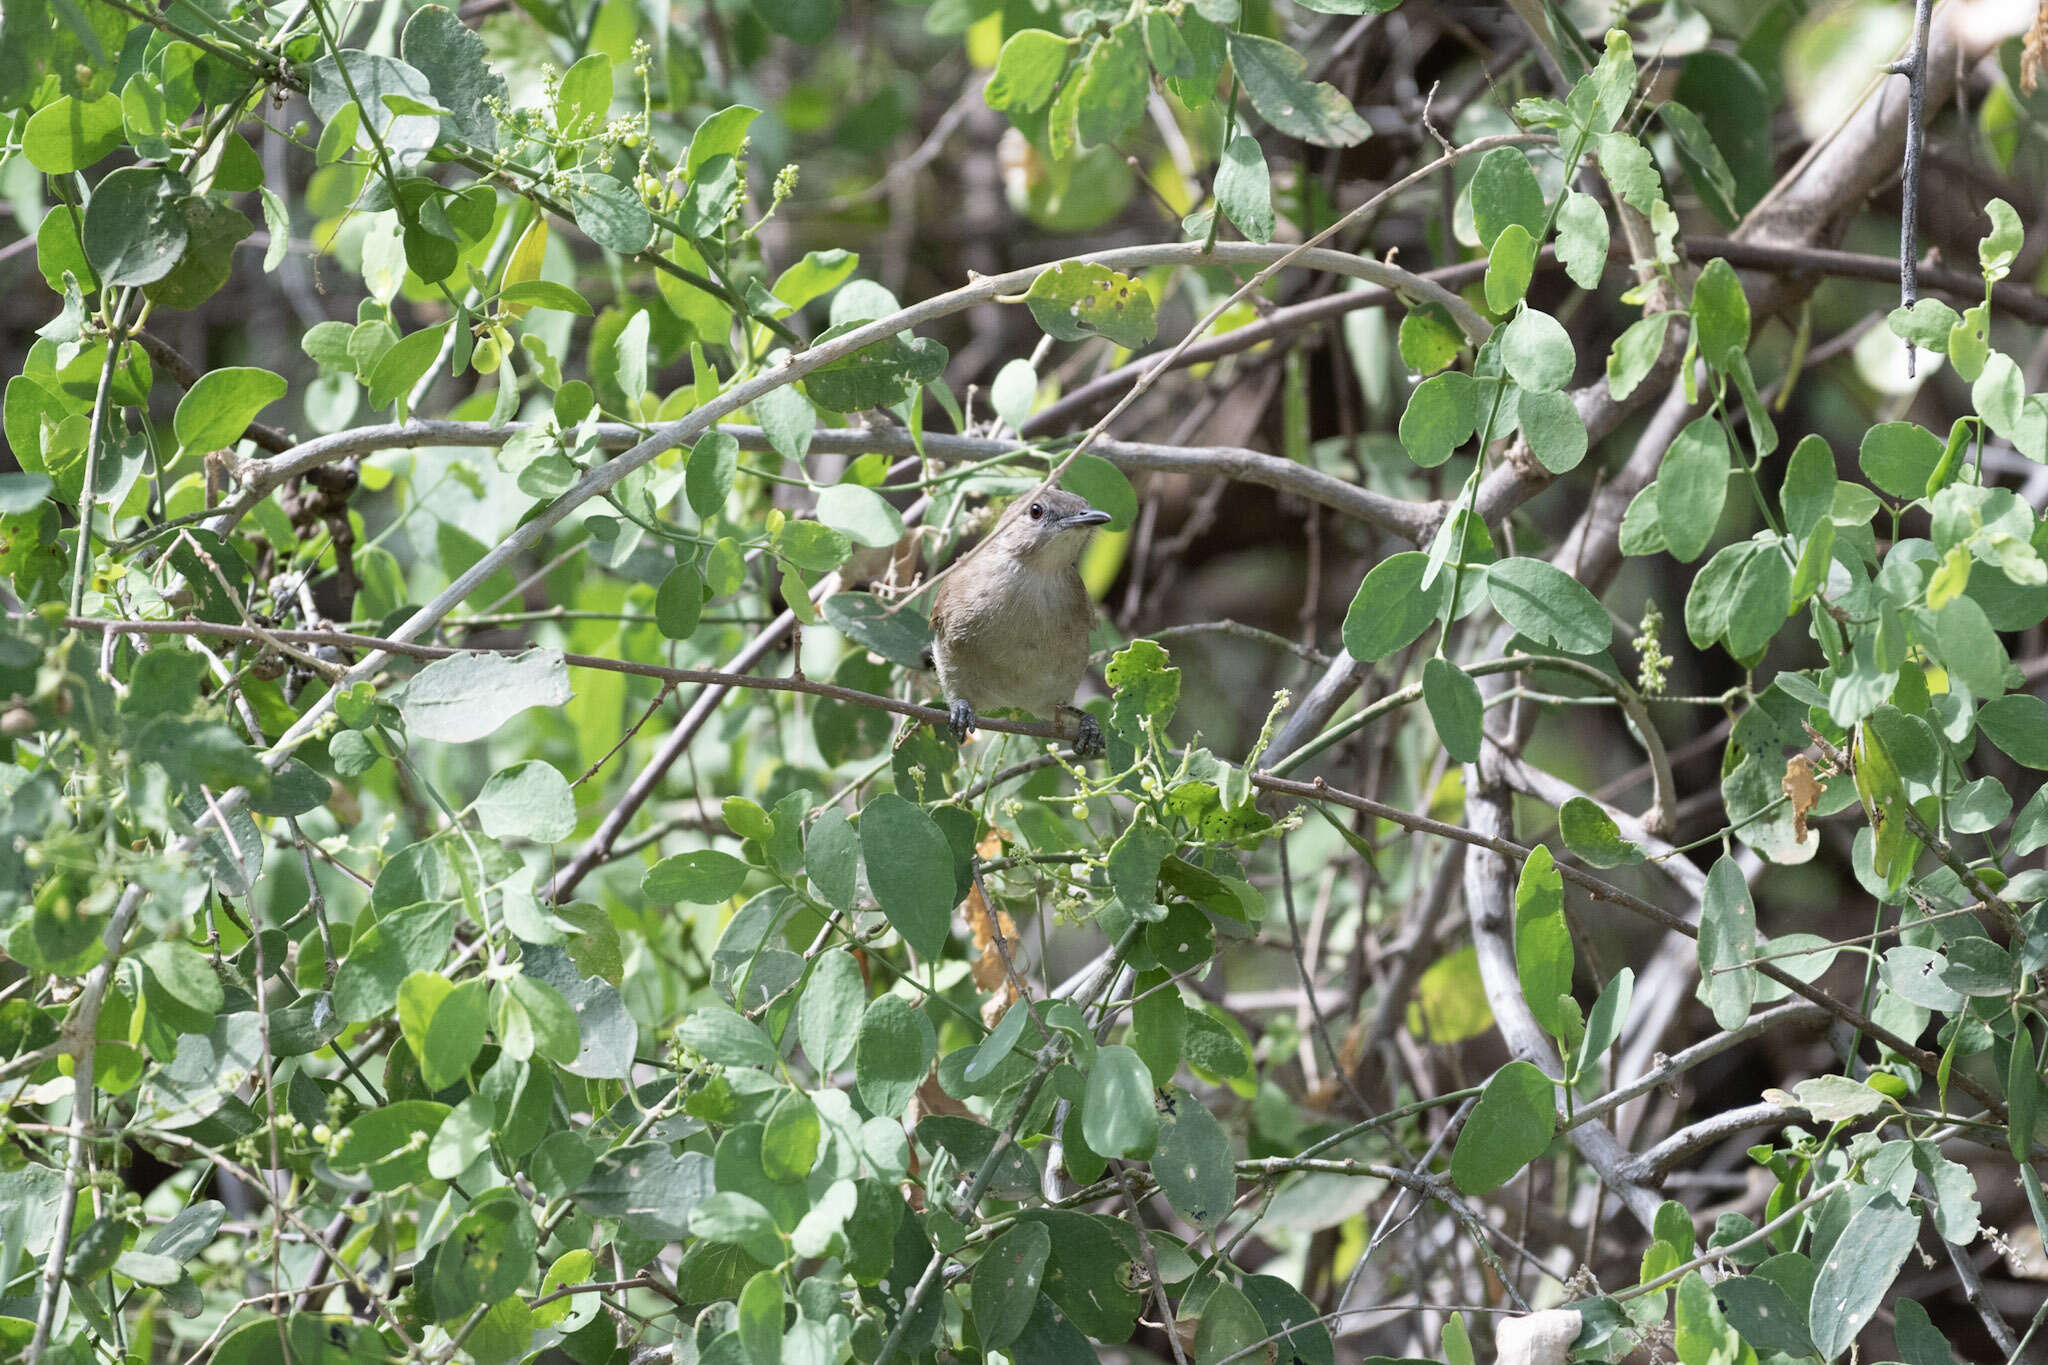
(1411, 521)
(1914, 68)
(1926, 1061)
(929, 715)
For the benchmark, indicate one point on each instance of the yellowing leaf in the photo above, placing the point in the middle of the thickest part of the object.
(523, 265)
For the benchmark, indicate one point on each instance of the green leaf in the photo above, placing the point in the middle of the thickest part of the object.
(1727, 941)
(444, 1025)
(1720, 314)
(1692, 486)
(1145, 686)
(702, 877)
(134, 232)
(1014, 393)
(545, 294)
(381, 1143)
(2022, 1092)
(1548, 605)
(1704, 165)
(1134, 862)
(2001, 246)
(707, 479)
(1837, 1099)
(456, 65)
(1230, 1329)
(610, 214)
(1510, 1127)
(901, 637)
(813, 277)
(829, 1015)
(1591, 834)
(1809, 488)
(1969, 342)
(2018, 725)
(1850, 1287)
(1027, 71)
(529, 800)
(1275, 79)
(1582, 239)
(910, 871)
(584, 95)
(877, 376)
(1543, 943)
(403, 365)
(1244, 190)
(1442, 414)
(69, 134)
(497, 1242)
(1429, 339)
(1635, 354)
(1504, 191)
(468, 696)
(1555, 431)
(369, 77)
(1764, 1315)
(761, 1306)
(1537, 352)
(1509, 267)
(1927, 323)
(1970, 649)
(1080, 299)
(1919, 1341)
(1117, 1116)
(861, 515)
(1110, 88)
(1390, 609)
(217, 409)
(1898, 457)
(1194, 1164)
(679, 601)
(1630, 170)
(1303, 1339)
(1006, 1283)
(1455, 708)
(1603, 1025)
(893, 1051)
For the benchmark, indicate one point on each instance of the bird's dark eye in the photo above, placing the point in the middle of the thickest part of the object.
(1038, 511)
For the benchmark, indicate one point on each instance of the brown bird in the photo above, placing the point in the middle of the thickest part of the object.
(1010, 624)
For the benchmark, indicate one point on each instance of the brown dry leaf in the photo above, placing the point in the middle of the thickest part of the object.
(931, 1098)
(988, 962)
(2034, 51)
(1804, 790)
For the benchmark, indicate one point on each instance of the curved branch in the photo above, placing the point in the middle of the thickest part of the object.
(1411, 521)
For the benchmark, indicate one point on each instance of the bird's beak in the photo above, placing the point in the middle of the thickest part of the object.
(1092, 517)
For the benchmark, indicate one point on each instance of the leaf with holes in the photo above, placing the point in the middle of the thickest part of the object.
(1079, 299)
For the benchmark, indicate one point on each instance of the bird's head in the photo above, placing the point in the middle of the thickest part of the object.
(1047, 529)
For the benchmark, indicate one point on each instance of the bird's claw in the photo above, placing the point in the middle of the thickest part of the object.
(960, 720)
(1088, 741)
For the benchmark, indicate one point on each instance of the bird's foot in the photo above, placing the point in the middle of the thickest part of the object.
(1088, 740)
(960, 720)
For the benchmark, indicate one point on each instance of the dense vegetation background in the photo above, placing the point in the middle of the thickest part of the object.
(481, 878)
